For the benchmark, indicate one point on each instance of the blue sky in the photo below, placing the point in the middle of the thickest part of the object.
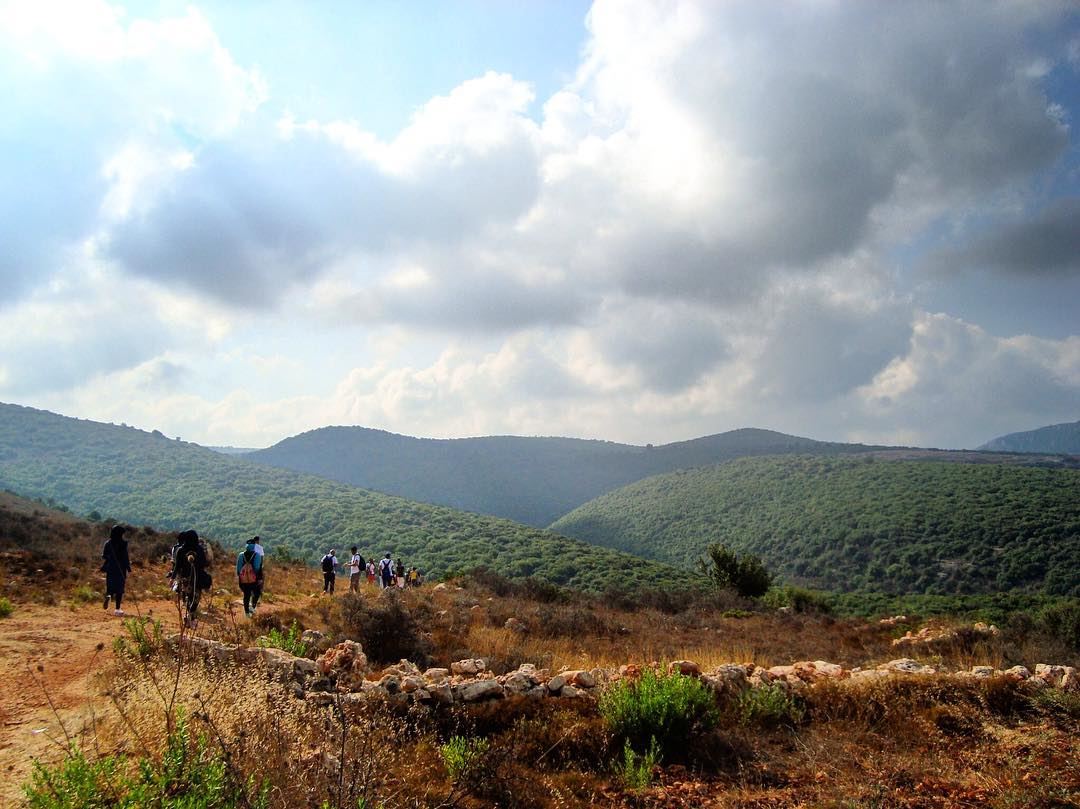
(638, 220)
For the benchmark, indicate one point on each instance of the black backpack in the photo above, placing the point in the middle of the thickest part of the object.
(328, 564)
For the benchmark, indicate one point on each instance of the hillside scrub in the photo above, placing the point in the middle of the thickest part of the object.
(859, 523)
(141, 478)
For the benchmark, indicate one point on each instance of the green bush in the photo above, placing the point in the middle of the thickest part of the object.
(140, 642)
(744, 574)
(6, 607)
(462, 757)
(636, 771)
(289, 640)
(769, 706)
(657, 706)
(84, 594)
(189, 775)
(799, 599)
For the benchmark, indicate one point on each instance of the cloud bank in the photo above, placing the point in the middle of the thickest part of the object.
(719, 221)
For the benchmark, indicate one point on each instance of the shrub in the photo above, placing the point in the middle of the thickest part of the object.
(84, 594)
(770, 706)
(462, 757)
(657, 706)
(799, 599)
(386, 628)
(288, 640)
(746, 575)
(140, 642)
(187, 776)
(1062, 622)
(636, 771)
(6, 607)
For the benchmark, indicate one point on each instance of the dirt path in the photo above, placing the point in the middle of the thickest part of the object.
(48, 658)
(50, 653)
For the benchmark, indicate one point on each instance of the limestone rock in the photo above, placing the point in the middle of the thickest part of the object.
(478, 690)
(436, 675)
(685, 667)
(346, 658)
(468, 667)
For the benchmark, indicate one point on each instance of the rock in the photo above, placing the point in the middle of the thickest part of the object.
(869, 675)
(731, 676)
(346, 657)
(440, 587)
(630, 671)
(555, 684)
(685, 667)
(436, 675)
(390, 682)
(1070, 680)
(410, 684)
(517, 683)
(784, 610)
(441, 693)
(580, 679)
(1018, 673)
(469, 667)
(478, 690)
(1049, 674)
(982, 672)
(569, 692)
(516, 625)
(403, 668)
(906, 666)
(283, 666)
(896, 619)
(320, 699)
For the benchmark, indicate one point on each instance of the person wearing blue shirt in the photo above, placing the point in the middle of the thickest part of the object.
(249, 572)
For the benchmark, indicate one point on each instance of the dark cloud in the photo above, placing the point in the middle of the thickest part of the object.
(248, 220)
(1046, 245)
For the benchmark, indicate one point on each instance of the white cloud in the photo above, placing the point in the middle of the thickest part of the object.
(709, 226)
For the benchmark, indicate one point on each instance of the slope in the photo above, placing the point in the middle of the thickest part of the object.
(1064, 438)
(143, 477)
(851, 523)
(530, 480)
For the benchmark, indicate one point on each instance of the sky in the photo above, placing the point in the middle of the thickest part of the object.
(629, 220)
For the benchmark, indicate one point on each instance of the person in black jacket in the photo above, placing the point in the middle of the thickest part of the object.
(190, 565)
(115, 566)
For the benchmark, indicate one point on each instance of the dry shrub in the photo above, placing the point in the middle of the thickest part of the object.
(309, 755)
(387, 628)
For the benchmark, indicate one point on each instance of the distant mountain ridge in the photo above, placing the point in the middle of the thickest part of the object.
(529, 480)
(146, 478)
(1058, 438)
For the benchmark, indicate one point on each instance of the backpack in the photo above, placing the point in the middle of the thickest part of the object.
(247, 570)
(328, 564)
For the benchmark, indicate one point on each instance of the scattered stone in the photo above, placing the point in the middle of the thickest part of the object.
(687, 668)
(478, 690)
(472, 667)
(436, 675)
(516, 626)
(907, 666)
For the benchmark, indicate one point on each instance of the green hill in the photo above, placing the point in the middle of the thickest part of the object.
(1063, 438)
(857, 523)
(140, 477)
(530, 480)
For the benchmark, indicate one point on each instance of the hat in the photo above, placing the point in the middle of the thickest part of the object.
(117, 531)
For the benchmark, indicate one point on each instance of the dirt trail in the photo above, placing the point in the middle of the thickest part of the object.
(51, 653)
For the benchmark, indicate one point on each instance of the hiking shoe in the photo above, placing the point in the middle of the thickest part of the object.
(118, 613)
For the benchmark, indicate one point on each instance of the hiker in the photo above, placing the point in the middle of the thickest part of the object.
(329, 571)
(371, 571)
(115, 566)
(412, 578)
(386, 571)
(190, 574)
(356, 564)
(258, 545)
(399, 574)
(249, 572)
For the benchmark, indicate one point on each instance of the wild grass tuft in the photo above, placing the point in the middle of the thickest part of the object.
(288, 640)
(6, 607)
(769, 706)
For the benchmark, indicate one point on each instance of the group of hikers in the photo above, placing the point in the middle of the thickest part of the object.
(385, 573)
(190, 574)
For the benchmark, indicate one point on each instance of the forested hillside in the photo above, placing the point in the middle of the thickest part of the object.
(851, 523)
(142, 477)
(531, 480)
(1064, 438)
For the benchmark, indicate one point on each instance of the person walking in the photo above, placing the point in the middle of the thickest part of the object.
(249, 566)
(399, 575)
(115, 565)
(190, 563)
(386, 571)
(356, 564)
(371, 571)
(329, 571)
